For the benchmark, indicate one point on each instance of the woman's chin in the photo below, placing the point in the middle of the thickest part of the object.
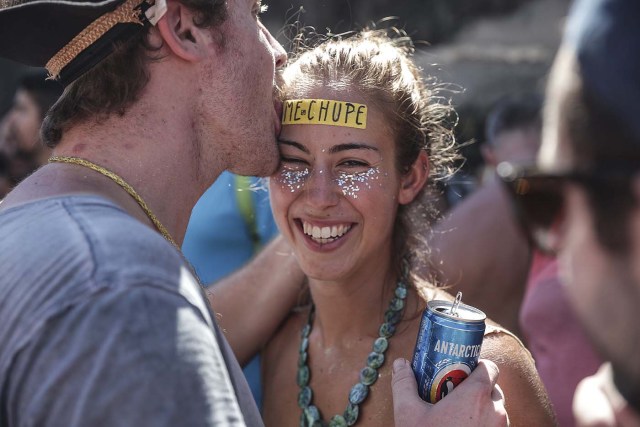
(326, 273)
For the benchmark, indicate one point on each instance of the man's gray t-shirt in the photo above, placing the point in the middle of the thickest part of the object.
(102, 323)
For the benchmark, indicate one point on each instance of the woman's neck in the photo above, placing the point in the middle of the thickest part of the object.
(352, 308)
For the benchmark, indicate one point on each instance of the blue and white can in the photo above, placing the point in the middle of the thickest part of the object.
(447, 347)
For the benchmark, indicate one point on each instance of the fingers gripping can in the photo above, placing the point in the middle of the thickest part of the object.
(447, 347)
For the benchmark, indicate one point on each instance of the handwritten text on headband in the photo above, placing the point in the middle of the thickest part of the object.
(324, 112)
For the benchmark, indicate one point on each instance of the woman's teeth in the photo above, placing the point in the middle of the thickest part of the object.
(325, 234)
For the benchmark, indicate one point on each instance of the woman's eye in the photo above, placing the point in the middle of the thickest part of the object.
(292, 162)
(354, 164)
(286, 159)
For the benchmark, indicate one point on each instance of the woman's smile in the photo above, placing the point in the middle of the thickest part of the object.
(324, 234)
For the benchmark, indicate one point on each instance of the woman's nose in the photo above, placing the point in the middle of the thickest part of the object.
(321, 189)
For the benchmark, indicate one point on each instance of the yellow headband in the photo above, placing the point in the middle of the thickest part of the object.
(324, 112)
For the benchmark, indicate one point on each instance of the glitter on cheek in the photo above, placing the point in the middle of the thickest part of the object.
(352, 183)
(293, 179)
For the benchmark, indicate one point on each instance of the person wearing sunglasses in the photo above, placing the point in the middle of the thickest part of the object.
(580, 202)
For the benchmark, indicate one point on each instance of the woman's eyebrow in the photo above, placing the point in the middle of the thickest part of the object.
(294, 144)
(334, 149)
(352, 146)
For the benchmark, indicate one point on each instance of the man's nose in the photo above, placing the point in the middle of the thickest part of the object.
(278, 51)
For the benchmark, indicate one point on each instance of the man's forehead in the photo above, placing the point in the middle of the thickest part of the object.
(555, 153)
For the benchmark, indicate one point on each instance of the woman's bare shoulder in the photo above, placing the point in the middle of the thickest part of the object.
(526, 397)
(501, 344)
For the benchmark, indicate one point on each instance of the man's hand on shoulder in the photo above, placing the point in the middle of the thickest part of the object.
(477, 401)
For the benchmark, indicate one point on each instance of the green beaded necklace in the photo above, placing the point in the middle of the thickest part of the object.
(311, 416)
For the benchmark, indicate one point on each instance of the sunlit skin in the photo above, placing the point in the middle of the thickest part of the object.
(347, 178)
(241, 126)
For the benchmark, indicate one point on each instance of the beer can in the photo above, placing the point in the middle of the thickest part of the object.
(447, 347)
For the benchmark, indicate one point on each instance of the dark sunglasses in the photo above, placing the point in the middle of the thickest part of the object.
(538, 197)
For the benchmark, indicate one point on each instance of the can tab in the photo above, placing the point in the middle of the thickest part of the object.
(456, 303)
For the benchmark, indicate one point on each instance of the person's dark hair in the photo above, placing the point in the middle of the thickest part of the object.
(514, 112)
(600, 140)
(44, 92)
(379, 65)
(115, 83)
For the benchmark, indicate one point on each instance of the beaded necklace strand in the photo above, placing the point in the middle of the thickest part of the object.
(122, 183)
(311, 416)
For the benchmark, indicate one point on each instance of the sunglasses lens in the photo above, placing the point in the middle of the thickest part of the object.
(539, 204)
(541, 200)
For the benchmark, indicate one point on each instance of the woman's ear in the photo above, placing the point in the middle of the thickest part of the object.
(180, 34)
(414, 180)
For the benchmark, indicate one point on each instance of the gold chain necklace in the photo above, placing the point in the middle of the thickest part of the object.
(122, 183)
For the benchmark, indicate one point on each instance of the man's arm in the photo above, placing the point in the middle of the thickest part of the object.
(476, 402)
(478, 249)
(252, 302)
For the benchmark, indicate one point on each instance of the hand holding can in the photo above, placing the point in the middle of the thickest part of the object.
(447, 347)
(478, 402)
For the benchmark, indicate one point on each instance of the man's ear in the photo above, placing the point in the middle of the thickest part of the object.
(180, 34)
(414, 180)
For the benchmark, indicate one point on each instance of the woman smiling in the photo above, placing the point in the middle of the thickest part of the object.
(362, 134)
